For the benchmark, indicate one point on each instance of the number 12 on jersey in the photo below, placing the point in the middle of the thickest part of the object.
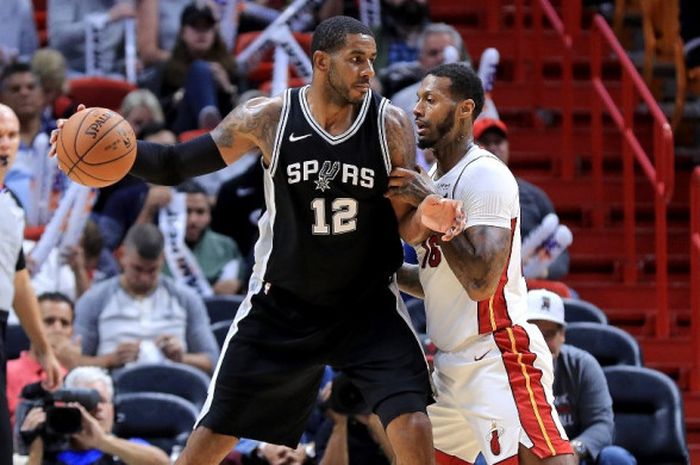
(344, 216)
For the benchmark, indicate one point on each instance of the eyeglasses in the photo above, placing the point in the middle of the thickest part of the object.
(433, 52)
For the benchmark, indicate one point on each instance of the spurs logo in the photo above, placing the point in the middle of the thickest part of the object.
(327, 173)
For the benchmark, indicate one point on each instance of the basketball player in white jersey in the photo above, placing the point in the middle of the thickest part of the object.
(493, 371)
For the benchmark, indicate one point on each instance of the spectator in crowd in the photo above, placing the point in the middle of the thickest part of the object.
(142, 316)
(198, 80)
(15, 286)
(95, 443)
(690, 32)
(217, 255)
(402, 23)
(57, 315)
(140, 108)
(492, 134)
(72, 271)
(34, 178)
(434, 41)
(158, 22)
(158, 133)
(18, 35)
(239, 205)
(580, 389)
(50, 66)
(352, 435)
(67, 25)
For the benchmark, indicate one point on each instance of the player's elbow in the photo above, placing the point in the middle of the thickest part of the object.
(481, 289)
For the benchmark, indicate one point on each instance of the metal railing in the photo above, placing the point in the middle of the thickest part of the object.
(659, 172)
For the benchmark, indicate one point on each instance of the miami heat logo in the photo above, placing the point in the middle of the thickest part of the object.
(493, 438)
(327, 173)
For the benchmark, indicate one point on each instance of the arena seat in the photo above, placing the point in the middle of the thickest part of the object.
(163, 420)
(222, 307)
(608, 344)
(94, 91)
(220, 330)
(181, 380)
(648, 415)
(577, 310)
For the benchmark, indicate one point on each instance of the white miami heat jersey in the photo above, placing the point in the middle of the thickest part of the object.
(490, 195)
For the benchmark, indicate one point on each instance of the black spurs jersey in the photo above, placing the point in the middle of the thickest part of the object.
(329, 234)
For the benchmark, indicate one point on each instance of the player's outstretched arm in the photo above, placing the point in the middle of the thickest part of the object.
(477, 257)
(250, 125)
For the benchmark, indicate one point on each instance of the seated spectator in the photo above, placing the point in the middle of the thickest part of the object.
(50, 66)
(239, 205)
(141, 108)
(95, 443)
(432, 44)
(157, 25)
(402, 23)
(351, 434)
(197, 84)
(690, 31)
(73, 271)
(57, 315)
(492, 134)
(34, 178)
(142, 316)
(18, 35)
(67, 25)
(580, 389)
(217, 255)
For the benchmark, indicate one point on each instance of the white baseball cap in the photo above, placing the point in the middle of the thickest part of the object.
(545, 305)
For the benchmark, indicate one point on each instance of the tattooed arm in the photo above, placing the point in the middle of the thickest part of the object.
(248, 126)
(402, 150)
(408, 280)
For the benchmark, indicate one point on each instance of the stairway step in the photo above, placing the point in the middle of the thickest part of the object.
(610, 242)
(521, 94)
(624, 298)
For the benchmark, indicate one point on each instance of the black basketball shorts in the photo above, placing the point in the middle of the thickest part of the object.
(266, 381)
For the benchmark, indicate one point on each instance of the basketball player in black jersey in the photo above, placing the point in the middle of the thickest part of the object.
(322, 290)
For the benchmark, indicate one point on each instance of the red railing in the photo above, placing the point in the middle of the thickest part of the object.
(659, 173)
(695, 275)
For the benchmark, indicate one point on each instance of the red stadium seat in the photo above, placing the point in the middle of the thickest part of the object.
(96, 91)
(263, 72)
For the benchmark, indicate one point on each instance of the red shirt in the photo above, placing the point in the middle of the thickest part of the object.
(20, 372)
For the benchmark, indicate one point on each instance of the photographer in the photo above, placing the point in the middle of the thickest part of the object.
(352, 434)
(94, 443)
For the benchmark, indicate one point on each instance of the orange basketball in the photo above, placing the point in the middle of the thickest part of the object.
(96, 147)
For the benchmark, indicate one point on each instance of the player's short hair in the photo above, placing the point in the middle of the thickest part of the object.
(329, 36)
(146, 239)
(464, 84)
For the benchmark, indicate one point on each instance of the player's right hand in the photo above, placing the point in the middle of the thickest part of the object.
(53, 140)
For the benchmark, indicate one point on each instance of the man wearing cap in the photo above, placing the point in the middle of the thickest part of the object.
(580, 389)
(492, 134)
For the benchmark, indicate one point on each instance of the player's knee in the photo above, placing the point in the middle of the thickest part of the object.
(409, 407)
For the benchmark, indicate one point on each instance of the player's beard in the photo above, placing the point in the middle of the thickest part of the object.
(441, 129)
(339, 90)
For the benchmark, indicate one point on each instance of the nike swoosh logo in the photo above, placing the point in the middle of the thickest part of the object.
(476, 359)
(294, 139)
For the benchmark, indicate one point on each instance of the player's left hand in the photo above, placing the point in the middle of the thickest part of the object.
(410, 186)
(443, 215)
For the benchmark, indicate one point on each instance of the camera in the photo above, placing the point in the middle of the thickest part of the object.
(61, 421)
(346, 398)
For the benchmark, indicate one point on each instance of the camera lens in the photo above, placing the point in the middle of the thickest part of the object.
(63, 420)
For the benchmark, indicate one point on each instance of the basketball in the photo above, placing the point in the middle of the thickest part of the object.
(96, 147)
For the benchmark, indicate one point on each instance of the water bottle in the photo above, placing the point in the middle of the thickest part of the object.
(487, 68)
(538, 235)
(550, 249)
